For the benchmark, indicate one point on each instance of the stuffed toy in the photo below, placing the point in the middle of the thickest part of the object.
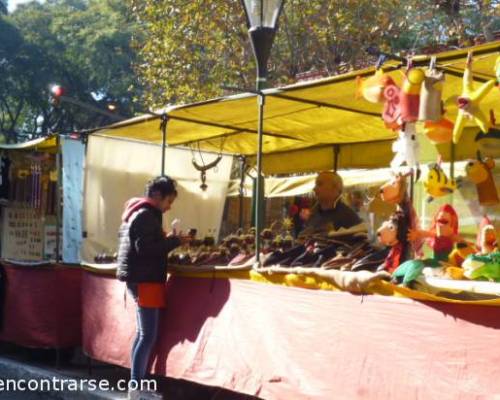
(489, 143)
(394, 191)
(392, 107)
(406, 147)
(468, 103)
(461, 251)
(440, 131)
(430, 95)
(483, 267)
(410, 94)
(372, 88)
(479, 172)
(437, 184)
(486, 241)
(393, 233)
(441, 238)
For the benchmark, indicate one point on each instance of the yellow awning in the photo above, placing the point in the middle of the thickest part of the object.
(310, 118)
(48, 144)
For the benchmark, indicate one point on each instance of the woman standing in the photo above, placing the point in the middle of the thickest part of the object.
(142, 264)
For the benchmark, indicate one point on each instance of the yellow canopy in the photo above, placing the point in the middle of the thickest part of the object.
(303, 122)
(48, 144)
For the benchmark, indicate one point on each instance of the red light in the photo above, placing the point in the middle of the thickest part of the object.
(57, 90)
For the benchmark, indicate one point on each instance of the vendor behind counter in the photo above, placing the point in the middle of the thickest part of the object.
(330, 212)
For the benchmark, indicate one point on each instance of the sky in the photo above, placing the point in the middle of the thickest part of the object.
(12, 4)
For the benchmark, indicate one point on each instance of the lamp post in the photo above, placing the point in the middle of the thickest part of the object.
(262, 22)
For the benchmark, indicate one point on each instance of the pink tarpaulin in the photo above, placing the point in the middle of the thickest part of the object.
(289, 343)
(42, 306)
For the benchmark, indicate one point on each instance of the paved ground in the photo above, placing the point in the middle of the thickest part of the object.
(20, 363)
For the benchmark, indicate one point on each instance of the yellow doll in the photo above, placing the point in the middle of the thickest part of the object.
(468, 103)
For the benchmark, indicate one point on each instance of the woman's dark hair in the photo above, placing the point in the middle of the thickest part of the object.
(162, 185)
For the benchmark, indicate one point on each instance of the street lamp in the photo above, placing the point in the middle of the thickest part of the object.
(262, 22)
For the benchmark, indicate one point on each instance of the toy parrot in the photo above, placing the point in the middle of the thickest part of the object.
(410, 94)
(468, 103)
(372, 88)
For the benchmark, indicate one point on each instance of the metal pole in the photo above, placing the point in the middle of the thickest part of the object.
(58, 197)
(163, 127)
(242, 188)
(336, 151)
(260, 183)
(452, 161)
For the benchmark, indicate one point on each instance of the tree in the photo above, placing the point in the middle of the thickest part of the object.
(83, 45)
(190, 48)
(4, 7)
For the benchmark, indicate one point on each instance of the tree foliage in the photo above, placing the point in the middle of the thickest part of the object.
(83, 45)
(189, 48)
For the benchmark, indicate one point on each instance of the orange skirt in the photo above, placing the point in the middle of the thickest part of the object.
(151, 295)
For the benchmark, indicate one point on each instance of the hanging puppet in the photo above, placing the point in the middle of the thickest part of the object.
(430, 94)
(468, 103)
(480, 173)
(393, 234)
(406, 147)
(372, 88)
(441, 238)
(437, 184)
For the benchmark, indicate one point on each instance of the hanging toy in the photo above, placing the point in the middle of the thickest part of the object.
(487, 241)
(468, 103)
(393, 233)
(440, 131)
(430, 94)
(372, 88)
(489, 143)
(406, 147)
(479, 172)
(392, 107)
(410, 94)
(437, 184)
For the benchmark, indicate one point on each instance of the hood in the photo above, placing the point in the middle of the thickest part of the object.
(134, 204)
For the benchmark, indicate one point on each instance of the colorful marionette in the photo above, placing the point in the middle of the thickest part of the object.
(461, 251)
(430, 95)
(406, 147)
(480, 173)
(468, 103)
(372, 88)
(410, 94)
(393, 233)
(437, 184)
(440, 131)
(392, 107)
(487, 241)
(441, 238)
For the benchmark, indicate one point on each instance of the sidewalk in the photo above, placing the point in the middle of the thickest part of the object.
(19, 363)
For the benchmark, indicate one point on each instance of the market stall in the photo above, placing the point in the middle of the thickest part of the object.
(40, 274)
(235, 331)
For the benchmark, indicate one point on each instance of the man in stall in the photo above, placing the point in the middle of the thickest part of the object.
(329, 213)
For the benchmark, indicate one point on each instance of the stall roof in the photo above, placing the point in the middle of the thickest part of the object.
(48, 143)
(312, 115)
